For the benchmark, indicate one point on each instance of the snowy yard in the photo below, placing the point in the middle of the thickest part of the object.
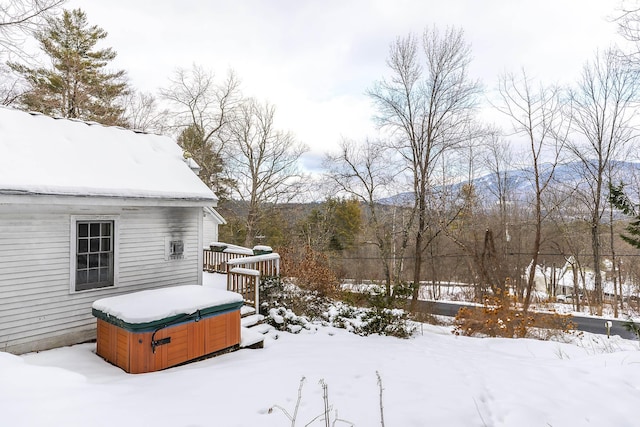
(432, 379)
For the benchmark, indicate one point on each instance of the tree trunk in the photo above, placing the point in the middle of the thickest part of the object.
(613, 263)
(597, 277)
(417, 270)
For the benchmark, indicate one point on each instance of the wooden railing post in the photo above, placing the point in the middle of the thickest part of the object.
(256, 287)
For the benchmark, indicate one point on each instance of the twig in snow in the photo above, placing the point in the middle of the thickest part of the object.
(325, 397)
(293, 417)
(479, 413)
(337, 419)
(381, 407)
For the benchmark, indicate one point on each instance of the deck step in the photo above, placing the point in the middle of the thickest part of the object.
(250, 338)
(263, 328)
(246, 310)
(252, 320)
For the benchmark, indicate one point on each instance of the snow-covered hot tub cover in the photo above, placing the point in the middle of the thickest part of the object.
(150, 309)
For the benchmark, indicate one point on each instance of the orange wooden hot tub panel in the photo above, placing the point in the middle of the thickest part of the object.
(132, 351)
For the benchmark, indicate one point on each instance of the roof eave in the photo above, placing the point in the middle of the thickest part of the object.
(103, 200)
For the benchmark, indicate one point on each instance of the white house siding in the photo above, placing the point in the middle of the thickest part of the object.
(37, 308)
(210, 230)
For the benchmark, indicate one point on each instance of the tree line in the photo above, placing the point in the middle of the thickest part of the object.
(430, 135)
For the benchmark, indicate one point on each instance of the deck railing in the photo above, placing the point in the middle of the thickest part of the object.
(243, 270)
(246, 282)
(216, 261)
(243, 275)
(267, 264)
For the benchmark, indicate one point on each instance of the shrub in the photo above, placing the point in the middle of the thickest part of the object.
(275, 293)
(386, 316)
(379, 317)
(551, 326)
(310, 270)
(498, 318)
(386, 321)
(287, 307)
(284, 319)
(633, 327)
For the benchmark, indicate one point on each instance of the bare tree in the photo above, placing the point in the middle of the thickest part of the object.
(474, 232)
(366, 171)
(536, 115)
(203, 112)
(20, 19)
(263, 162)
(142, 113)
(498, 159)
(425, 106)
(628, 22)
(603, 111)
(10, 87)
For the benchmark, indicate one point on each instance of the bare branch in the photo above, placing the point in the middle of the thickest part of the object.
(20, 19)
(263, 161)
(141, 112)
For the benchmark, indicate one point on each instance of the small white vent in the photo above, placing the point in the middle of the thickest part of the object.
(176, 249)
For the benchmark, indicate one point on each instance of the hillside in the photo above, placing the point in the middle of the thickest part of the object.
(518, 184)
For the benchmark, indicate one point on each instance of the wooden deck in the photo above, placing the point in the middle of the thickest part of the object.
(243, 270)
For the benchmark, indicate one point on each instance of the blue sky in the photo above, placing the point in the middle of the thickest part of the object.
(315, 59)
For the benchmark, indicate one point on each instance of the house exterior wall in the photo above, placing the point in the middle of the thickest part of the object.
(210, 232)
(38, 307)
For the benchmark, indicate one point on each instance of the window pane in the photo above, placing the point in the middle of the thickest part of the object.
(81, 277)
(104, 260)
(82, 262)
(105, 245)
(83, 229)
(104, 275)
(93, 260)
(83, 246)
(93, 276)
(106, 229)
(95, 245)
(94, 229)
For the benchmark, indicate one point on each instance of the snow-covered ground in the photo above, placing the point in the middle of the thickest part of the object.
(432, 379)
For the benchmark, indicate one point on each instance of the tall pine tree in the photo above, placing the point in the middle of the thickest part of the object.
(620, 201)
(197, 146)
(78, 84)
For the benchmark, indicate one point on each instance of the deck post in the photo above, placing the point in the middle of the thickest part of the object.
(257, 293)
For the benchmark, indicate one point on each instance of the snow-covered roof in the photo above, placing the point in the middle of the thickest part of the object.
(41, 155)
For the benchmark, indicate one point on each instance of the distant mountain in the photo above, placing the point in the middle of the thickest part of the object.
(519, 184)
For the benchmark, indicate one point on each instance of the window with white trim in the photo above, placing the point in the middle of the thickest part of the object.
(94, 254)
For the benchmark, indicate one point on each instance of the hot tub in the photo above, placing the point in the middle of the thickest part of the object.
(152, 330)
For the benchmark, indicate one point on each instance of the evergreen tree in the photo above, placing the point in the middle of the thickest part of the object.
(333, 226)
(347, 219)
(620, 201)
(197, 146)
(77, 85)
